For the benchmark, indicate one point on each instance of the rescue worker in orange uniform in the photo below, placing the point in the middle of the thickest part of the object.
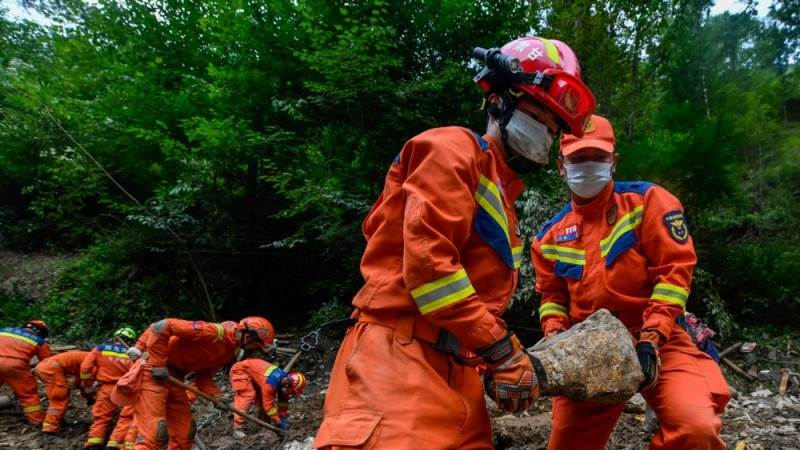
(54, 372)
(441, 263)
(17, 348)
(176, 348)
(625, 246)
(263, 384)
(101, 369)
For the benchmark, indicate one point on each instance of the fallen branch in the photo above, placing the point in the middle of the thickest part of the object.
(291, 362)
(733, 347)
(738, 370)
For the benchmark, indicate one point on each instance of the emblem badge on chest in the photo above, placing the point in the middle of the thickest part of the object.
(568, 233)
(611, 214)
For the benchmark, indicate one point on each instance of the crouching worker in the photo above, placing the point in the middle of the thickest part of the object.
(265, 385)
(17, 347)
(106, 364)
(54, 373)
(175, 348)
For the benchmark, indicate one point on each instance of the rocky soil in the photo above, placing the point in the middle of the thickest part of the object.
(758, 417)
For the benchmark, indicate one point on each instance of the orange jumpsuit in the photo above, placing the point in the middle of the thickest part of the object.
(105, 365)
(628, 250)
(162, 409)
(53, 372)
(250, 380)
(17, 347)
(443, 252)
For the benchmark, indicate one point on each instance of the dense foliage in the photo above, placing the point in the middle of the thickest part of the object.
(215, 158)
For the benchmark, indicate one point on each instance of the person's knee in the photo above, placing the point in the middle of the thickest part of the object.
(699, 431)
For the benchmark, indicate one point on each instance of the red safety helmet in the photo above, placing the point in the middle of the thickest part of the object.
(258, 328)
(548, 71)
(297, 382)
(39, 327)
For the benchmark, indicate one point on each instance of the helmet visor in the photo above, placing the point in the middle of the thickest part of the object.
(567, 96)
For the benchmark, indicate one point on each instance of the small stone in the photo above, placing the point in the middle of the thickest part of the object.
(761, 393)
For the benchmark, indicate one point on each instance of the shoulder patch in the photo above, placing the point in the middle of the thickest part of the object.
(639, 187)
(554, 220)
(676, 226)
(481, 141)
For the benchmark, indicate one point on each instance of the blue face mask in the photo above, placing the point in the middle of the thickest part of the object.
(587, 179)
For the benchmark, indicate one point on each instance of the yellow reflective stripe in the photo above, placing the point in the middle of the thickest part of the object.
(97, 440)
(488, 196)
(85, 376)
(670, 293)
(552, 309)
(220, 332)
(443, 292)
(551, 49)
(626, 223)
(564, 254)
(114, 354)
(516, 253)
(33, 408)
(19, 338)
(114, 444)
(129, 445)
(269, 370)
(273, 411)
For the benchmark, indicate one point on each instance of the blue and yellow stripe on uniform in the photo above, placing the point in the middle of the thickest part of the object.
(622, 236)
(273, 376)
(443, 292)
(670, 293)
(113, 351)
(21, 334)
(491, 221)
(564, 254)
(552, 309)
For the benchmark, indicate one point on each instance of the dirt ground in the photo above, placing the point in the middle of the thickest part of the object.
(758, 417)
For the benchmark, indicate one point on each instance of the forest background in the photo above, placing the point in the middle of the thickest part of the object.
(251, 138)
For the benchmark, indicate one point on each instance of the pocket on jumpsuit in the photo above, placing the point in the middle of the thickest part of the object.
(347, 428)
(355, 423)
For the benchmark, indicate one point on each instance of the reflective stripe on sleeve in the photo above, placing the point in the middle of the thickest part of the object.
(552, 309)
(564, 254)
(443, 292)
(220, 332)
(516, 252)
(670, 293)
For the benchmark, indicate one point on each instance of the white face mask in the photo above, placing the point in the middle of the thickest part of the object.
(587, 179)
(528, 137)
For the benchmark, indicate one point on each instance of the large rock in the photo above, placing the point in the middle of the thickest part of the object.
(594, 360)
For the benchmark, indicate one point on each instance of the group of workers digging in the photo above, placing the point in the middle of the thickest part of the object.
(144, 380)
(441, 263)
(442, 260)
